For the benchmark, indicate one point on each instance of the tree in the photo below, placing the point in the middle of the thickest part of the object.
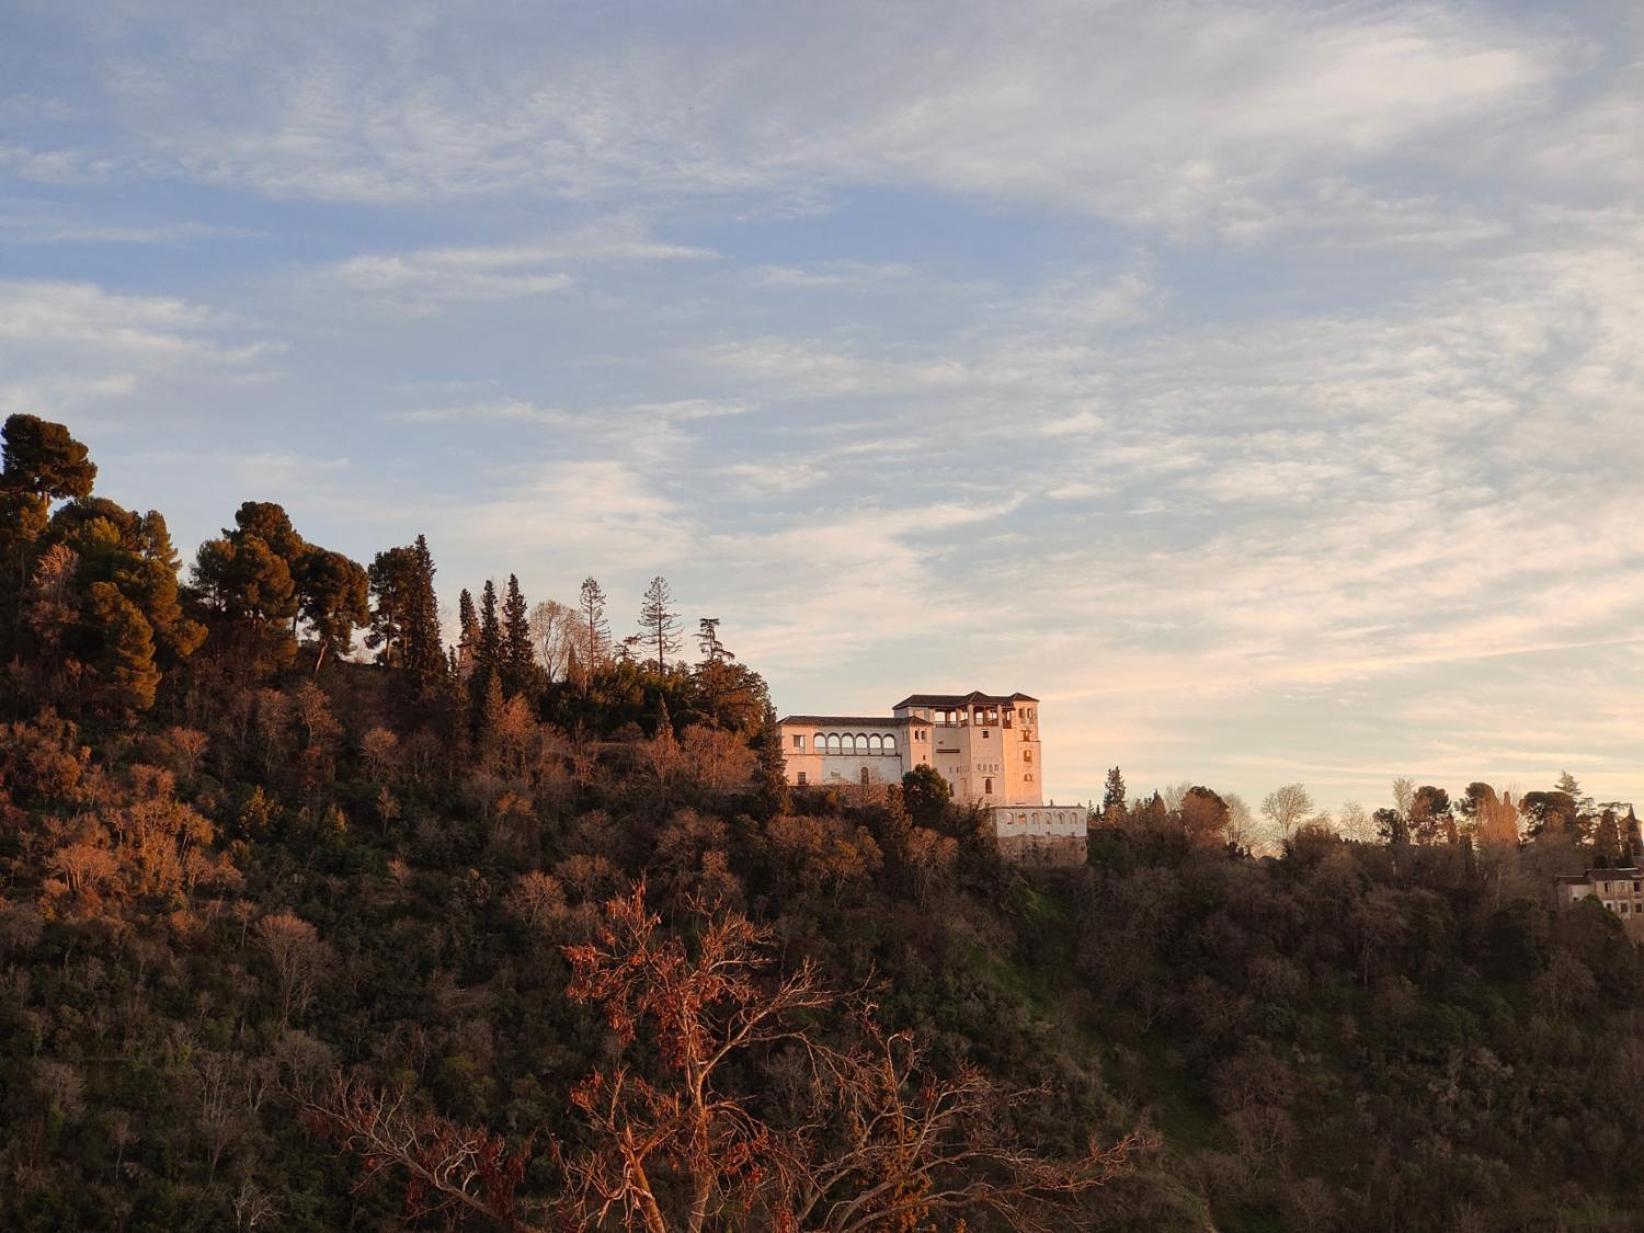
(1285, 807)
(467, 633)
(596, 646)
(707, 639)
(488, 650)
(1404, 792)
(334, 593)
(519, 661)
(554, 634)
(925, 794)
(658, 623)
(42, 459)
(405, 618)
(125, 643)
(1354, 823)
(1430, 816)
(424, 652)
(297, 955)
(1204, 816)
(1391, 827)
(391, 578)
(770, 767)
(672, 1144)
(1553, 812)
(1113, 796)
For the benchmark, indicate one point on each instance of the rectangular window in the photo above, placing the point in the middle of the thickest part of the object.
(799, 742)
(986, 734)
(801, 779)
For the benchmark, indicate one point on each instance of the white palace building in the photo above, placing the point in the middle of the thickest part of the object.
(986, 746)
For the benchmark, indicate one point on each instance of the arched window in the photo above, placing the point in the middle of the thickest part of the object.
(890, 744)
(1028, 778)
(1036, 819)
(847, 743)
(861, 742)
(873, 743)
(820, 744)
(833, 742)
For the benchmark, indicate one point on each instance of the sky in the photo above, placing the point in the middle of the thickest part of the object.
(1257, 384)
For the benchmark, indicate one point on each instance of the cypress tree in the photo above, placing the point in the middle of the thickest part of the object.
(467, 632)
(519, 661)
(424, 654)
(488, 650)
(771, 771)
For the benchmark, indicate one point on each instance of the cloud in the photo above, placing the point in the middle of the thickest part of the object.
(832, 274)
(71, 345)
(37, 229)
(426, 281)
(1214, 115)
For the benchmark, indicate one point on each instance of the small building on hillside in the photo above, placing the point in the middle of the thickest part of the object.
(986, 746)
(1619, 890)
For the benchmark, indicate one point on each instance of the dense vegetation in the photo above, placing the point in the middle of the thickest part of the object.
(294, 941)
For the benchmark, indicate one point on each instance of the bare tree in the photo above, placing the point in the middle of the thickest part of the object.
(1355, 823)
(1173, 794)
(298, 955)
(675, 1144)
(1241, 824)
(555, 630)
(1285, 807)
(1404, 795)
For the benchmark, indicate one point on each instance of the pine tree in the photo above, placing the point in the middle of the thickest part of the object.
(488, 650)
(1113, 796)
(467, 632)
(424, 653)
(125, 659)
(518, 655)
(660, 625)
(771, 772)
(596, 630)
(707, 639)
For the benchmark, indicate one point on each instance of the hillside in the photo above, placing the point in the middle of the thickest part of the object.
(259, 901)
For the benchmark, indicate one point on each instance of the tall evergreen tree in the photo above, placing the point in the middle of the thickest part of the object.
(596, 629)
(770, 769)
(424, 651)
(519, 661)
(488, 650)
(659, 623)
(467, 632)
(1113, 795)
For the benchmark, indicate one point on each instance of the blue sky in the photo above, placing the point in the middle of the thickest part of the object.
(1258, 384)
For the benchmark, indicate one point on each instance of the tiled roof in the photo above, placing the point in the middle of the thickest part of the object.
(1629, 874)
(852, 721)
(973, 698)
